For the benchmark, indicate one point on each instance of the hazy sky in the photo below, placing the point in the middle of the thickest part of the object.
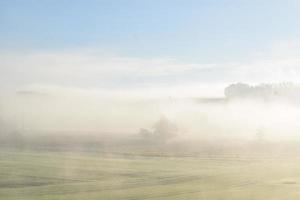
(77, 65)
(136, 45)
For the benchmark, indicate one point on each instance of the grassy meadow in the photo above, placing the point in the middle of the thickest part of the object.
(41, 175)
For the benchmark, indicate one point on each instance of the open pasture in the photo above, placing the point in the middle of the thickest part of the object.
(39, 175)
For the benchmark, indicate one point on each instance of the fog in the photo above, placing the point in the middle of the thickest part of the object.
(91, 112)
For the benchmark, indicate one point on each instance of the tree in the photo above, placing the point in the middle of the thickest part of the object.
(161, 132)
(237, 90)
(164, 129)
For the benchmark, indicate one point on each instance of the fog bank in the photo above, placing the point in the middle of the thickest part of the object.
(92, 112)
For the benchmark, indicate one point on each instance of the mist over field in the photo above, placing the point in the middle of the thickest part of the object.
(243, 114)
(149, 100)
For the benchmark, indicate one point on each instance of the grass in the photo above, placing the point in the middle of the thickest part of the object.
(38, 175)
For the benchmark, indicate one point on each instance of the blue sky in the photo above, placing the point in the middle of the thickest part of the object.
(200, 30)
(240, 35)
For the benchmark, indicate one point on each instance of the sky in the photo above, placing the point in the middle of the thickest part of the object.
(119, 65)
(171, 47)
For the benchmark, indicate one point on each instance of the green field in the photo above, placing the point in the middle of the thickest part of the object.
(33, 175)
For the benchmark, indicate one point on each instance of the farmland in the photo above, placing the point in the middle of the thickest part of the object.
(41, 175)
